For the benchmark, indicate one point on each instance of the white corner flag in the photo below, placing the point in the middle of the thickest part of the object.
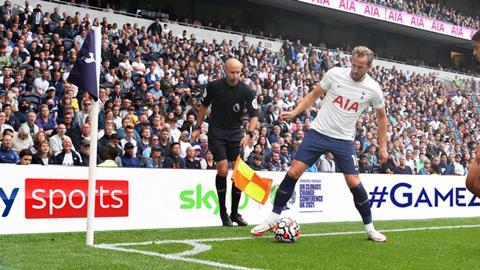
(86, 75)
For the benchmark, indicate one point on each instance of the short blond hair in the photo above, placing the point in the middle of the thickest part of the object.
(363, 51)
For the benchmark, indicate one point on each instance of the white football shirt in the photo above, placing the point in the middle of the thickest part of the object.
(344, 101)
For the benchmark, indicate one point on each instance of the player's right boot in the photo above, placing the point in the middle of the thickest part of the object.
(262, 228)
(376, 236)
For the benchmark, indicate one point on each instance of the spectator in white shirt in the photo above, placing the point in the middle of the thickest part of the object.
(184, 143)
(41, 83)
(57, 139)
(129, 137)
(327, 164)
(138, 66)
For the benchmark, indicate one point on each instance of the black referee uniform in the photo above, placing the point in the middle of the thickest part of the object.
(228, 104)
(225, 124)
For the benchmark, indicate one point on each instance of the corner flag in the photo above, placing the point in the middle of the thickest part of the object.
(249, 182)
(85, 74)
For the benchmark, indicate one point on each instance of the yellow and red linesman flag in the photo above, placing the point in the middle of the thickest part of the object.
(249, 182)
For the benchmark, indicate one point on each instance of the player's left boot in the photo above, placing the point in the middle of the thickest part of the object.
(237, 218)
(226, 221)
(376, 236)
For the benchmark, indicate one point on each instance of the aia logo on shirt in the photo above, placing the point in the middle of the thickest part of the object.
(346, 103)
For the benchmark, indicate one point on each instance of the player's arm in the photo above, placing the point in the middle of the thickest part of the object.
(252, 108)
(252, 124)
(306, 102)
(382, 134)
(249, 133)
(202, 112)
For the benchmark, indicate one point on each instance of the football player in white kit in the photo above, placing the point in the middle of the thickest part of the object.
(347, 93)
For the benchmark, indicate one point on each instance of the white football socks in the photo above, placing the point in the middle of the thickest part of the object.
(369, 227)
(272, 218)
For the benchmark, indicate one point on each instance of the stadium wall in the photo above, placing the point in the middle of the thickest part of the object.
(421, 70)
(200, 34)
(39, 199)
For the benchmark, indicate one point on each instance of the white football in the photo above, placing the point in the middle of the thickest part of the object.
(286, 230)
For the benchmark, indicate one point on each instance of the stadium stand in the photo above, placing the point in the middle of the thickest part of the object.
(153, 78)
(431, 10)
(228, 25)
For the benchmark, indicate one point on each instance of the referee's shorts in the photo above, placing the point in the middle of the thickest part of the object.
(224, 143)
(315, 144)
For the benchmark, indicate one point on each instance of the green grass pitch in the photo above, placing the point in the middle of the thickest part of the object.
(440, 248)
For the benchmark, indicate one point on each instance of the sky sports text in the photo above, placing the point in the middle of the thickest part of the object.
(199, 198)
(62, 198)
(8, 198)
(46, 198)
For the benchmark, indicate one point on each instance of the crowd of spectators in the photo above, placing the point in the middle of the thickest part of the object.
(152, 82)
(424, 8)
(432, 9)
(428, 8)
(228, 25)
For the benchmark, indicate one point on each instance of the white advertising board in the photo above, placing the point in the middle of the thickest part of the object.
(38, 199)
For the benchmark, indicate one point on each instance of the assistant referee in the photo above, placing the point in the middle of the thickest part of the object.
(228, 98)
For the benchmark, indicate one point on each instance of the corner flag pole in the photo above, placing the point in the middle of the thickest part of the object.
(85, 74)
(92, 166)
(92, 173)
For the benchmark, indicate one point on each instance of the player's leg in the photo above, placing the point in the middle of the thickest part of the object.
(286, 188)
(307, 154)
(221, 185)
(219, 152)
(233, 150)
(362, 203)
(283, 195)
(473, 178)
(346, 160)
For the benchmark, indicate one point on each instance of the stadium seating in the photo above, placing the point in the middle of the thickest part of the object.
(433, 114)
(432, 10)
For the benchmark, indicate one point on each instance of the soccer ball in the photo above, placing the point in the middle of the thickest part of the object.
(286, 230)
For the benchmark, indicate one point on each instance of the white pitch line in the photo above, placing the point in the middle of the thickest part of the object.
(175, 257)
(202, 240)
(199, 248)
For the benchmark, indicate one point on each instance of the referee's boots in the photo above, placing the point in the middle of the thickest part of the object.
(237, 218)
(226, 221)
